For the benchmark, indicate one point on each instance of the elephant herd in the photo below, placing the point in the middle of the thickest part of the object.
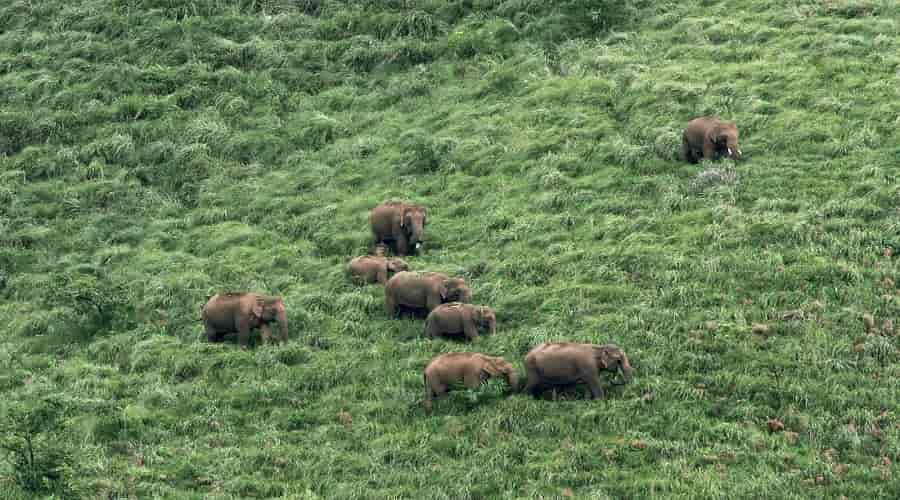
(400, 227)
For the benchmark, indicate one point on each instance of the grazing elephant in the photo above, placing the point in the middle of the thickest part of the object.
(402, 224)
(711, 138)
(567, 363)
(423, 290)
(455, 318)
(470, 367)
(375, 269)
(241, 312)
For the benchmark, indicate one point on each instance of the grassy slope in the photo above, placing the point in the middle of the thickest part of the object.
(154, 157)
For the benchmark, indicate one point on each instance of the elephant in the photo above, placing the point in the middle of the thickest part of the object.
(455, 317)
(711, 138)
(568, 363)
(471, 367)
(423, 290)
(400, 223)
(375, 269)
(240, 312)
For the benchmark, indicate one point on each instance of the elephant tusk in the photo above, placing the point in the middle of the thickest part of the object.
(730, 152)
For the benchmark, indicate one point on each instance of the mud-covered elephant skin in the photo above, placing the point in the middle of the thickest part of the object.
(375, 268)
(242, 312)
(455, 318)
(711, 138)
(423, 291)
(400, 225)
(568, 363)
(471, 368)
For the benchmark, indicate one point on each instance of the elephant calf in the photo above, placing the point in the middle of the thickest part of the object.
(711, 138)
(375, 268)
(399, 223)
(471, 368)
(455, 318)
(567, 363)
(423, 290)
(241, 312)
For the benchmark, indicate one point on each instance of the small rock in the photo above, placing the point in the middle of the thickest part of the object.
(712, 326)
(640, 444)
(345, 418)
(888, 252)
(791, 436)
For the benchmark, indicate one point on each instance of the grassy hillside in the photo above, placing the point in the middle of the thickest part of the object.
(154, 152)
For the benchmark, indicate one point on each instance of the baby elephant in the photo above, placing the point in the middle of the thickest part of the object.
(240, 312)
(375, 268)
(567, 363)
(711, 138)
(455, 317)
(470, 367)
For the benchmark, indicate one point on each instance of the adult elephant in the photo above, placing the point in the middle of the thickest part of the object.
(400, 225)
(568, 363)
(711, 138)
(471, 368)
(423, 290)
(456, 318)
(241, 312)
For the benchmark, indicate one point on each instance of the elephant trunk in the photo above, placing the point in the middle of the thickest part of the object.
(626, 370)
(283, 323)
(513, 380)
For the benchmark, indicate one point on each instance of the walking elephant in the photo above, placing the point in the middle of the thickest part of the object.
(567, 363)
(456, 318)
(375, 269)
(711, 138)
(241, 312)
(400, 225)
(471, 368)
(423, 290)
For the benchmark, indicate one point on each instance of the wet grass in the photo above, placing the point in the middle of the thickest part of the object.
(153, 153)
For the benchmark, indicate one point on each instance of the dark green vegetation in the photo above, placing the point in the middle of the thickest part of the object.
(154, 152)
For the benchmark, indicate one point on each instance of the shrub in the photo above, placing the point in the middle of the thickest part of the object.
(422, 152)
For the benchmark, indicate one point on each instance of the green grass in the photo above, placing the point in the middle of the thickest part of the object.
(154, 152)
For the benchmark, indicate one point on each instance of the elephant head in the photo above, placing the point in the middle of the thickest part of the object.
(412, 222)
(456, 290)
(397, 265)
(495, 367)
(486, 317)
(611, 358)
(725, 137)
(269, 309)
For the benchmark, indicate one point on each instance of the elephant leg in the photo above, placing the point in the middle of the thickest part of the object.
(212, 335)
(709, 150)
(470, 330)
(431, 329)
(390, 305)
(402, 244)
(687, 152)
(381, 276)
(472, 380)
(244, 333)
(594, 384)
(266, 333)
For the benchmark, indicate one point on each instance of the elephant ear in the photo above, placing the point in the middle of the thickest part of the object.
(601, 354)
(492, 367)
(403, 211)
